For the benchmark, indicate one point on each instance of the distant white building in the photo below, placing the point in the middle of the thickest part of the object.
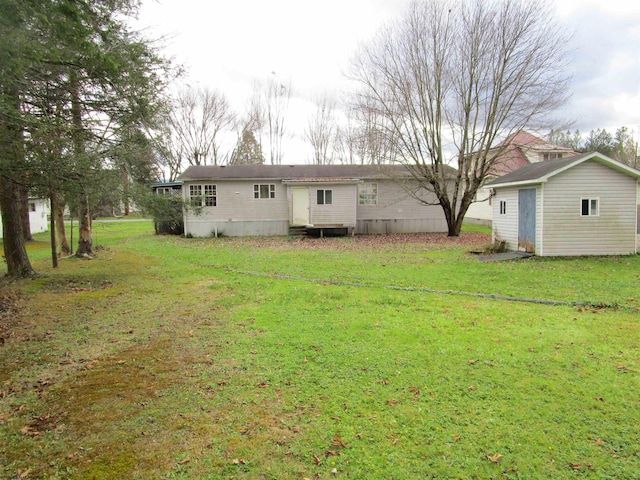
(38, 215)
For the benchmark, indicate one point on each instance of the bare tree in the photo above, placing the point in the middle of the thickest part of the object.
(450, 79)
(197, 118)
(278, 95)
(321, 131)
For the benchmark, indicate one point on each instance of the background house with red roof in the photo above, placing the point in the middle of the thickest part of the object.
(516, 151)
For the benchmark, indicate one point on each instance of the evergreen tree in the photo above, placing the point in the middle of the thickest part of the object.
(74, 81)
(248, 151)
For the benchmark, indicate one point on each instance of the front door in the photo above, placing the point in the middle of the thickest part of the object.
(300, 207)
(527, 220)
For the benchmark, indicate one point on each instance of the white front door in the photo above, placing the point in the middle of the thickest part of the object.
(300, 208)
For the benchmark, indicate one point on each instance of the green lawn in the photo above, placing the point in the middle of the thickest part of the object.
(365, 357)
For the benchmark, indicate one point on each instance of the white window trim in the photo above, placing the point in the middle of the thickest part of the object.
(590, 199)
(195, 198)
(375, 197)
(324, 196)
(257, 191)
(212, 194)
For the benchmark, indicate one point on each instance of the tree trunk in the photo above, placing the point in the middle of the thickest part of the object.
(23, 191)
(12, 152)
(15, 253)
(52, 230)
(61, 232)
(85, 242)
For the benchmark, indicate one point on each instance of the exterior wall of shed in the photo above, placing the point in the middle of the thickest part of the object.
(237, 212)
(612, 232)
(397, 212)
(505, 226)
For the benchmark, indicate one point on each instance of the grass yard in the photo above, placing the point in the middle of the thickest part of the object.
(365, 357)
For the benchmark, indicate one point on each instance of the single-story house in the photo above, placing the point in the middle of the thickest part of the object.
(582, 205)
(517, 150)
(38, 213)
(254, 200)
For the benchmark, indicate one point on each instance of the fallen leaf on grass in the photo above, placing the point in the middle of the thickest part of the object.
(317, 460)
(494, 458)
(240, 461)
(185, 461)
(599, 442)
(332, 453)
(337, 441)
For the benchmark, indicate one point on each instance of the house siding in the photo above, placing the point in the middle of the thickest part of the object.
(567, 232)
(638, 216)
(396, 212)
(342, 210)
(505, 226)
(38, 221)
(237, 212)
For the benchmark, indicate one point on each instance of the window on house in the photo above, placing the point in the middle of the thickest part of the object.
(325, 197)
(267, 190)
(195, 194)
(32, 207)
(503, 207)
(552, 156)
(368, 194)
(210, 197)
(589, 207)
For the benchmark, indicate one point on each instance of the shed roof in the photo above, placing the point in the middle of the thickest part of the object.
(542, 171)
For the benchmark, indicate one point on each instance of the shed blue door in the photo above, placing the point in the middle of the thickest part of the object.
(527, 219)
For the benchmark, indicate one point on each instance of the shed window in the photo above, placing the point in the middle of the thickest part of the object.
(266, 190)
(32, 206)
(368, 194)
(503, 207)
(590, 207)
(325, 197)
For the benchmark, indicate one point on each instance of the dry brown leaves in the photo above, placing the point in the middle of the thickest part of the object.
(371, 242)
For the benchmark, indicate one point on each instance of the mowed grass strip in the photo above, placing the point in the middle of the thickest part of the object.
(286, 358)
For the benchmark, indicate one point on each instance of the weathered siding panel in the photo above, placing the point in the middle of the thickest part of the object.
(612, 232)
(396, 212)
(505, 225)
(342, 210)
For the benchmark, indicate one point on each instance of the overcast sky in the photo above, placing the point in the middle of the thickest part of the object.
(228, 44)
